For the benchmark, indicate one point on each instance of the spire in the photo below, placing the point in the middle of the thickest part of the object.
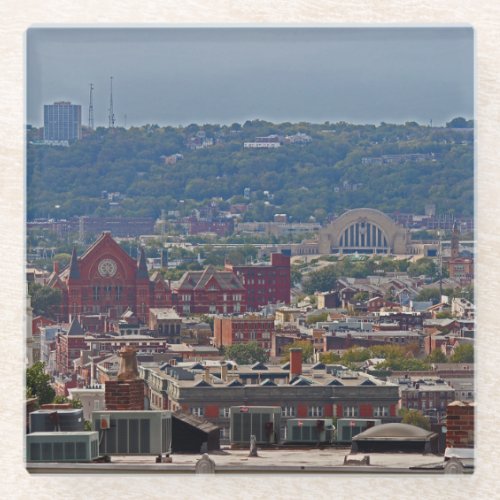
(74, 270)
(142, 269)
(75, 328)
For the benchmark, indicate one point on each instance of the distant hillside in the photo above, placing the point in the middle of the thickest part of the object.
(343, 166)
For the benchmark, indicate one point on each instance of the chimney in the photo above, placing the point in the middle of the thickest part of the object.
(295, 361)
(206, 375)
(172, 362)
(55, 266)
(223, 371)
(128, 364)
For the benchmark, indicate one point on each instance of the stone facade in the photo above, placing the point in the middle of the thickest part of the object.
(364, 230)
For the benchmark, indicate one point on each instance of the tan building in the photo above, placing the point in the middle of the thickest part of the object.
(364, 230)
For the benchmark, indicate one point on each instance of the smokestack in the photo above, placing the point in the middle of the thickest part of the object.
(295, 361)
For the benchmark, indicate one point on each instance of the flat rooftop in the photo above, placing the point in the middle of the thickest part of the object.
(316, 460)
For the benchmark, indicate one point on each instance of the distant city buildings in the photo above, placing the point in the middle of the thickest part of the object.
(62, 121)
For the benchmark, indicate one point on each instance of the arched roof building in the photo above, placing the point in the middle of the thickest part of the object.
(363, 230)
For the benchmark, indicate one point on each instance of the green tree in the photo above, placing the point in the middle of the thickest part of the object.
(429, 294)
(424, 266)
(329, 357)
(44, 300)
(356, 355)
(246, 354)
(414, 417)
(464, 353)
(322, 280)
(315, 318)
(305, 345)
(75, 403)
(444, 315)
(63, 259)
(437, 356)
(360, 296)
(38, 383)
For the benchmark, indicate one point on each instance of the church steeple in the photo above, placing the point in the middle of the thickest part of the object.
(74, 270)
(142, 269)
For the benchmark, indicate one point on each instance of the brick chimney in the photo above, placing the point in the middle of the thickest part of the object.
(295, 361)
(55, 266)
(126, 393)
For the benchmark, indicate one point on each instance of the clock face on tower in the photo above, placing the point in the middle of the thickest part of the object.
(107, 268)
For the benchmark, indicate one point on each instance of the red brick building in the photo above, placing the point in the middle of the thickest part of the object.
(210, 292)
(105, 279)
(68, 347)
(265, 284)
(229, 331)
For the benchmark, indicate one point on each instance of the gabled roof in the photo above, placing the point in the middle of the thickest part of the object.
(259, 366)
(335, 382)
(267, 382)
(300, 381)
(198, 280)
(202, 383)
(75, 328)
(235, 383)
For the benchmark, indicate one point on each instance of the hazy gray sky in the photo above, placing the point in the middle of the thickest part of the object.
(174, 76)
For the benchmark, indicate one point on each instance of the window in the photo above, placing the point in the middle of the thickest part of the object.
(198, 411)
(381, 411)
(186, 309)
(212, 308)
(224, 412)
(288, 411)
(96, 405)
(237, 298)
(266, 335)
(315, 411)
(351, 411)
(224, 297)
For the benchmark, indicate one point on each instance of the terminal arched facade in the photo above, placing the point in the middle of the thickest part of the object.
(363, 230)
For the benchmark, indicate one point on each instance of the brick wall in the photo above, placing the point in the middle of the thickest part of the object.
(124, 395)
(460, 425)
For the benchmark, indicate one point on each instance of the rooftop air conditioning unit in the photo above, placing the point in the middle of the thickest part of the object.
(310, 430)
(62, 446)
(261, 421)
(133, 432)
(347, 428)
(57, 420)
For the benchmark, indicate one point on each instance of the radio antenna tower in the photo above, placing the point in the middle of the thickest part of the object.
(111, 113)
(91, 108)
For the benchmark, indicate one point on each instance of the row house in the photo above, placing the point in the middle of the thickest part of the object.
(307, 391)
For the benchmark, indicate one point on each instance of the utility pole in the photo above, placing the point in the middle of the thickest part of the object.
(91, 108)
(111, 117)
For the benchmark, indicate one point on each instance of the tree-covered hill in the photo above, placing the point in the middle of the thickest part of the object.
(323, 176)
